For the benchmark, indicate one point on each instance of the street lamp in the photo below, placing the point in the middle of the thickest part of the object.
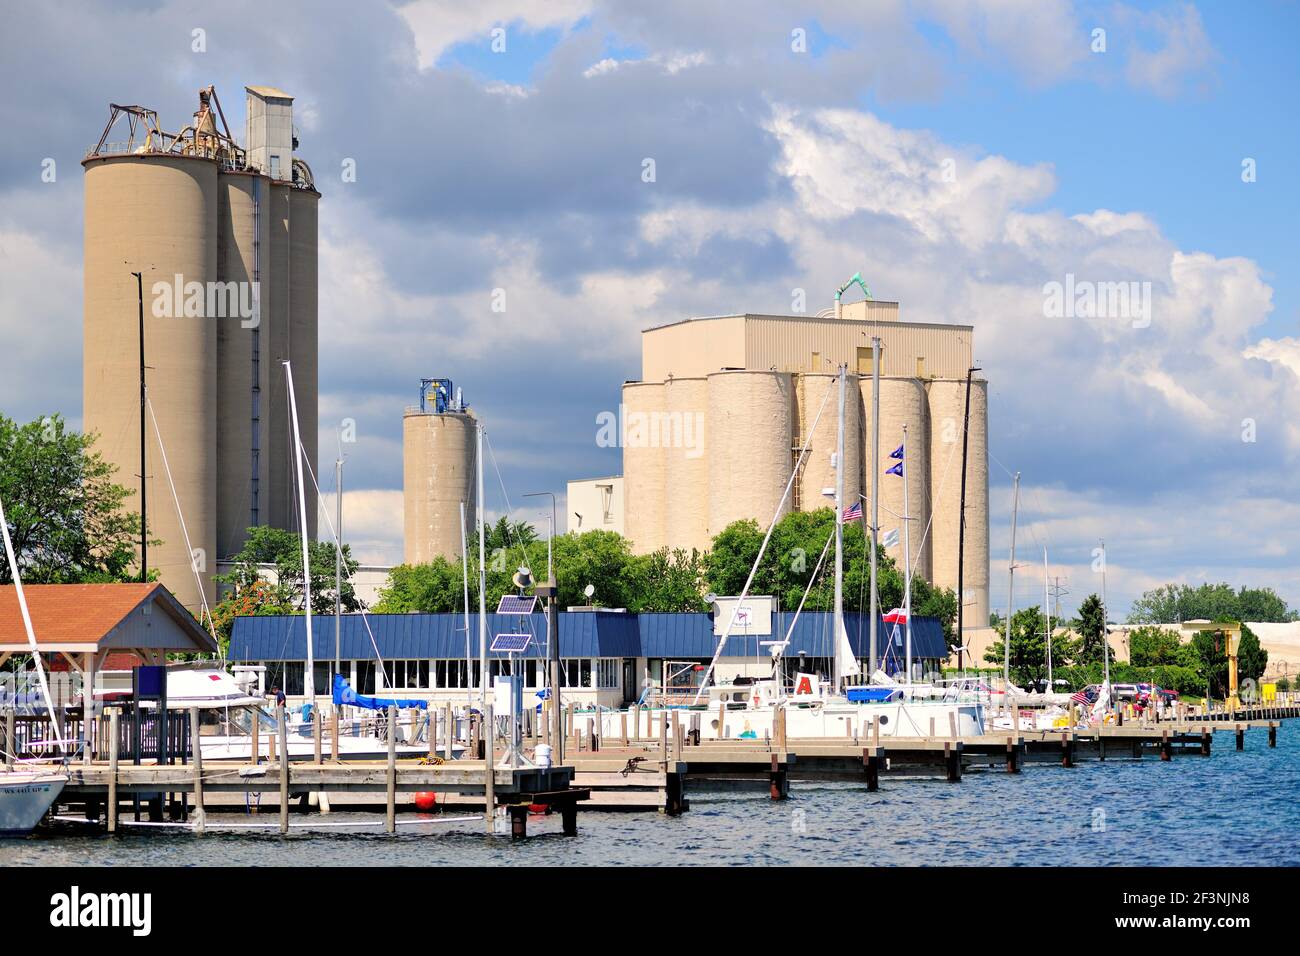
(550, 569)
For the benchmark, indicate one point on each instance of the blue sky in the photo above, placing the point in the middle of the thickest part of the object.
(777, 170)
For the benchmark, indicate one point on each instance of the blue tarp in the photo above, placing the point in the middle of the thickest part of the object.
(344, 694)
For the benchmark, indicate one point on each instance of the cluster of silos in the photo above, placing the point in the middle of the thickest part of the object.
(181, 217)
(754, 426)
(438, 476)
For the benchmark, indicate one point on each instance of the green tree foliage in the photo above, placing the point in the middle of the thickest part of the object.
(668, 581)
(64, 510)
(1172, 603)
(255, 593)
(791, 558)
(1091, 628)
(1211, 657)
(1252, 660)
(1028, 647)
(1154, 646)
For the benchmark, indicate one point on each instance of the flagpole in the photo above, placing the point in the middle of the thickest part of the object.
(839, 539)
(907, 562)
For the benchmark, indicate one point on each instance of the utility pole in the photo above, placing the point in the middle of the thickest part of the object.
(144, 498)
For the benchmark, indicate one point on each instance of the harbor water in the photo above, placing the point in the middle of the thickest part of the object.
(1230, 809)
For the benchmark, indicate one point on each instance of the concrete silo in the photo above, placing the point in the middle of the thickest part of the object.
(438, 474)
(682, 432)
(645, 464)
(155, 214)
(243, 367)
(226, 240)
(750, 428)
(947, 400)
(903, 402)
(817, 474)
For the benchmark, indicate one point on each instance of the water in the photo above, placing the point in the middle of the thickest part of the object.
(1231, 809)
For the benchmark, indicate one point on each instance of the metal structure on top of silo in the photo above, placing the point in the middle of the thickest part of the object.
(229, 286)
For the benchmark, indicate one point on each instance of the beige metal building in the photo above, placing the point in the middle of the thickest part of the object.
(713, 430)
(225, 239)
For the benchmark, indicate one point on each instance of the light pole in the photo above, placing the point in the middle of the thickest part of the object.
(552, 593)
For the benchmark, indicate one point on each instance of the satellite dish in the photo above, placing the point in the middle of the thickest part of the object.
(589, 590)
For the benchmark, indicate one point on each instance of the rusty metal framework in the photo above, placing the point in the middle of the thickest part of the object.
(201, 137)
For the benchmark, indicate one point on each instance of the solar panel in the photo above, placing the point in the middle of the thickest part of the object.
(510, 643)
(517, 604)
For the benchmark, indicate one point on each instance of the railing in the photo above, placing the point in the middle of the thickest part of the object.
(33, 736)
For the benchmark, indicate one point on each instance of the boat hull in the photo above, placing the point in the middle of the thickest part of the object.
(24, 801)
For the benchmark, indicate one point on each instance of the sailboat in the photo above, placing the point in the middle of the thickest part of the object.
(28, 791)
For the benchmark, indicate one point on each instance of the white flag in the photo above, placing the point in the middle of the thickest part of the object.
(890, 539)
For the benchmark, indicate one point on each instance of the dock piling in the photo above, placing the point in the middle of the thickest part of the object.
(1013, 756)
(112, 770)
(1241, 737)
(316, 728)
(284, 767)
(200, 814)
(390, 781)
(489, 778)
(1272, 734)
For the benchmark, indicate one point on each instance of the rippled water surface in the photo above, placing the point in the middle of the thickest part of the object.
(1230, 809)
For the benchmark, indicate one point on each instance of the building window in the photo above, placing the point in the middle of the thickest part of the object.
(451, 675)
(607, 673)
(365, 677)
(408, 675)
(286, 675)
(275, 166)
(575, 672)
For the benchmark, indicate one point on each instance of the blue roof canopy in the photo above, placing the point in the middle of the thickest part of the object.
(684, 636)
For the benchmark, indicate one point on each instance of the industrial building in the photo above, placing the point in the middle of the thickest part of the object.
(596, 504)
(438, 472)
(225, 240)
(713, 430)
(606, 657)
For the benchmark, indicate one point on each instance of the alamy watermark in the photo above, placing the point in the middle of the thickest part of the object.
(1084, 299)
(624, 429)
(207, 300)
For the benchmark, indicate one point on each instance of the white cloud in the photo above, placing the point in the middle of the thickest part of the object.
(1180, 48)
(440, 24)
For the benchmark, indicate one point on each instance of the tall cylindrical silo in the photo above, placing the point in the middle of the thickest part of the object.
(243, 226)
(645, 466)
(303, 334)
(750, 427)
(437, 475)
(156, 215)
(812, 390)
(903, 402)
(686, 522)
(277, 447)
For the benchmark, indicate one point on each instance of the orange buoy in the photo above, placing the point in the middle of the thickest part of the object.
(426, 801)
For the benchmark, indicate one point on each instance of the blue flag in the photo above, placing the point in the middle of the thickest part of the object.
(897, 453)
(896, 470)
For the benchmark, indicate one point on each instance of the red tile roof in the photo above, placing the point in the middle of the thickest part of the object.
(74, 613)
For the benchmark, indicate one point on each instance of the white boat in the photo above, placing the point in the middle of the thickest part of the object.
(26, 796)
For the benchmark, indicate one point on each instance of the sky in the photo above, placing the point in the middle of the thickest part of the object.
(963, 154)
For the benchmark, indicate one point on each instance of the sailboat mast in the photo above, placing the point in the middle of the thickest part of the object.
(1105, 624)
(31, 633)
(482, 572)
(1048, 618)
(874, 657)
(338, 563)
(907, 561)
(1011, 577)
(836, 676)
(309, 677)
(464, 564)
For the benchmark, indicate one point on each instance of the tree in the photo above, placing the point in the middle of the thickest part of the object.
(1173, 603)
(1211, 656)
(1028, 647)
(1252, 660)
(668, 581)
(1151, 646)
(64, 510)
(437, 586)
(281, 550)
(1091, 628)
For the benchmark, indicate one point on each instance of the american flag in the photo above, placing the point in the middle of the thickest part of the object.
(853, 511)
(1081, 698)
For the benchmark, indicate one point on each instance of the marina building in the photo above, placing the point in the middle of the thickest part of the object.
(712, 432)
(224, 238)
(607, 657)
